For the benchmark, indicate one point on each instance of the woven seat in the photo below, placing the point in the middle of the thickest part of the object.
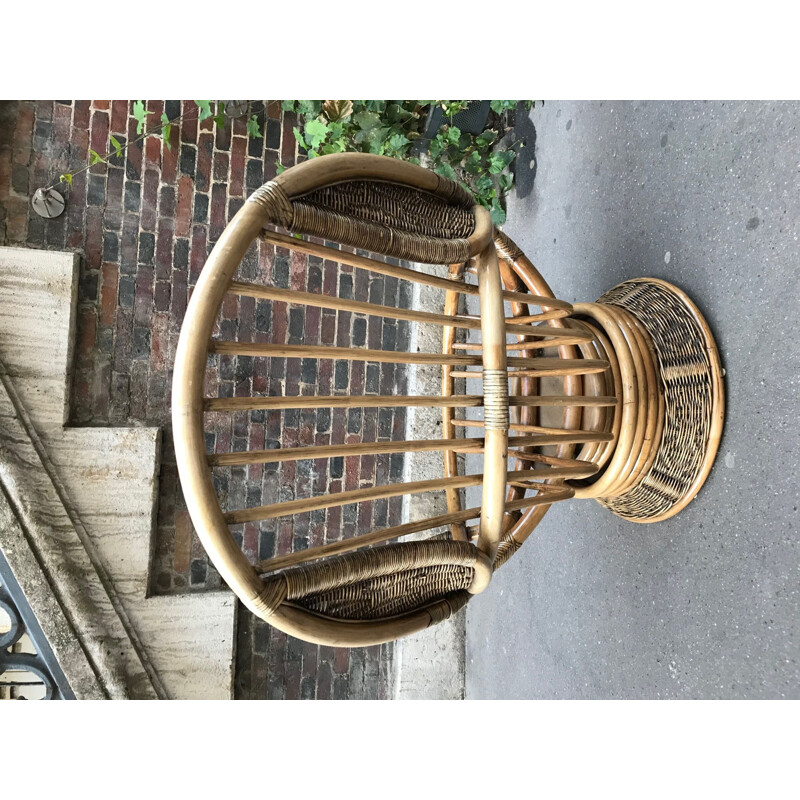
(620, 400)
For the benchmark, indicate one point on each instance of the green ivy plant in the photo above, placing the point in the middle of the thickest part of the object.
(391, 127)
(387, 127)
(163, 129)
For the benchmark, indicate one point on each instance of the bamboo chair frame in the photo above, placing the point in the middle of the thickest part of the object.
(613, 412)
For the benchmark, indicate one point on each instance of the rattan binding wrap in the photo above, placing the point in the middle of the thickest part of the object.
(495, 399)
(381, 582)
(395, 220)
(687, 376)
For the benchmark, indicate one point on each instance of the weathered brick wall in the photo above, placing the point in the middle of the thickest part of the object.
(144, 226)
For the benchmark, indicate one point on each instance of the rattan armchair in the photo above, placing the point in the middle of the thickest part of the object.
(638, 411)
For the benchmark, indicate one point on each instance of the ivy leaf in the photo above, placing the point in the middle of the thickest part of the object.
(499, 106)
(367, 120)
(506, 181)
(140, 115)
(116, 145)
(486, 138)
(453, 135)
(497, 213)
(219, 119)
(252, 127)
(397, 142)
(315, 132)
(436, 147)
(446, 170)
(287, 105)
(279, 167)
(166, 131)
(483, 184)
(205, 109)
(474, 163)
(96, 158)
(309, 108)
(66, 178)
(499, 161)
(376, 139)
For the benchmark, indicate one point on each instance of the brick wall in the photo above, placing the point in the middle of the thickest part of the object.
(144, 225)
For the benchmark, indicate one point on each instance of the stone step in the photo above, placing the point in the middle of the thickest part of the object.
(106, 480)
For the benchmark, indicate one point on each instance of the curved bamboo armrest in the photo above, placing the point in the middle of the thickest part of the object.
(495, 400)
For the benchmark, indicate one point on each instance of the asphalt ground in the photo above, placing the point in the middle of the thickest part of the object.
(706, 604)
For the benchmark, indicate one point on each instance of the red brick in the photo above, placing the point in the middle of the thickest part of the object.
(87, 332)
(149, 200)
(240, 126)
(183, 541)
(178, 297)
(164, 243)
(238, 155)
(153, 144)
(184, 213)
(189, 122)
(81, 114)
(23, 134)
(143, 304)
(205, 151)
(288, 142)
(250, 541)
(134, 151)
(170, 155)
(161, 296)
(5, 174)
(298, 270)
(17, 223)
(101, 104)
(159, 342)
(222, 164)
(99, 137)
(94, 237)
(108, 293)
(62, 119)
(119, 116)
(218, 216)
(199, 251)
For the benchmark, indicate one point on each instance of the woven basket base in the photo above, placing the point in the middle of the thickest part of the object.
(690, 373)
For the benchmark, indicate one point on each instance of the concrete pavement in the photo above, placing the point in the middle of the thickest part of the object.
(707, 604)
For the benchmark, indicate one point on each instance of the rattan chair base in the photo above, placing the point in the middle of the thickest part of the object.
(691, 380)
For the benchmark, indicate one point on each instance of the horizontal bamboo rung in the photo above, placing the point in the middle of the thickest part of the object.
(360, 307)
(561, 400)
(540, 344)
(396, 531)
(281, 403)
(381, 268)
(467, 445)
(337, 450)
(225, 347)
(548, 372)
(340, 401)
(292, 507)
(550, 473)
(542, 438)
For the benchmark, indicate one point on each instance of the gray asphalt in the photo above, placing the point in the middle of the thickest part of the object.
(707, 604)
